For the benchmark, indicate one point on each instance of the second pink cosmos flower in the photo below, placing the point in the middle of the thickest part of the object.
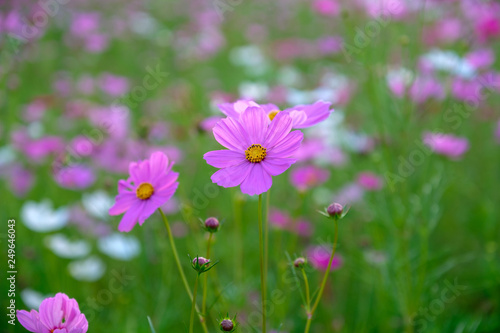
(257, 150)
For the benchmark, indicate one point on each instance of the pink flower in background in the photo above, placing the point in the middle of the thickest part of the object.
(310, 149)
(466, 90)
(150, 185)
(482, 58)
(37, 149)
(446, 144)
(209, 123)
(20, 179)
(58, 314)
(319, 257)
(84, 24)
(326, 7)
(306, 177)
(349, 194)
(96, 43)
(257, 150)
(370, 181)
(303, 228)
(35, 110)
(302, 115)
(113, 85)
(81, 146)
(424, 88)
(279, 219)
(488, 26)
(75, 177)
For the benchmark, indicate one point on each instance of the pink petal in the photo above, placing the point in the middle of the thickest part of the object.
(258, 181)
(158, 163)
(224, 158)
(287, 146)
(256, 122)
(228, 110)
(279, 128)
(29, 320)
(139, 172)
(233, 175)
(165, 181)
(229, 133)
(131, 217)
(276, 166)
(123, 203)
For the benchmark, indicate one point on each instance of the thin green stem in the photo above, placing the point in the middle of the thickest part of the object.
(262, 278)
(308, 297)
(193, 305)
(323, 283)
(205, 282)
(179, 266)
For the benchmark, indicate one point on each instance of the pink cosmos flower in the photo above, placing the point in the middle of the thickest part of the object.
(302, 115)
(113, 85)
(58, 314)
(75, 177)
(326, 7)
(319, 257)
(446, 144)
(370, 181)
(257, 150)
(424, 88)
(279, 219)
(150, 185)
(306, 177)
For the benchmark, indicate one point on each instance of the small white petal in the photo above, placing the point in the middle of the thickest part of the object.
(118, 246)
(90, 269)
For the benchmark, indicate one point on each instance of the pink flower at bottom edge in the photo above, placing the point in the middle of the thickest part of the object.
(58, 314)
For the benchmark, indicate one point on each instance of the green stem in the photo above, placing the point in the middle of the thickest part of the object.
(179, 267)
(266, 239)
(323, 283)
(193, 306)
(262, 278)
(205, 282)
(308, 297)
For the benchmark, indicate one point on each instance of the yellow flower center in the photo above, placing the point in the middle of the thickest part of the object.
(255, 153)
(273, 114)
(144, 191)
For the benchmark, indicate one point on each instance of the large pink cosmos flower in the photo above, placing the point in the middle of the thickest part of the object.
(150, 185)
(257, 150)
(302, 115)
(59, 314)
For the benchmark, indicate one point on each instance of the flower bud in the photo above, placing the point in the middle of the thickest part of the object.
(227, 325)
(212, 224)
(299, 262)
(335, 210)
(200, 261)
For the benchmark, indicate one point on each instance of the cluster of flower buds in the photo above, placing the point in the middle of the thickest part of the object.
(211, 224)
(227, 324)
(202, 265)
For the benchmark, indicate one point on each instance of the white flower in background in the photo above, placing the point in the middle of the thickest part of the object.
(97, 204)
(250, 57)
(119, 246)
(143, 24)
(90, 269)
(32, 298)
(253, 90)
(288, 76)
(400, 74)
(449, 61)
(35, 130)
(65, 248)
(7, 155)
(41, 217)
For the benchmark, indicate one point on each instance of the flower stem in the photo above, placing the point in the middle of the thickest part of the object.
(205, 282)
(177, 261)
(262, 278)
(266, 239)
(323, 283)
(238, 265)
(308, 297)
(193, 306)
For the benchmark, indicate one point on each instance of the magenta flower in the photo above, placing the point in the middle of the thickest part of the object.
(306, 177)
(319, 257)
(75, 177)
(370, 181)
(257, 151)
(446, 144)
(150, 185)
(302, 115)
(58, 314)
